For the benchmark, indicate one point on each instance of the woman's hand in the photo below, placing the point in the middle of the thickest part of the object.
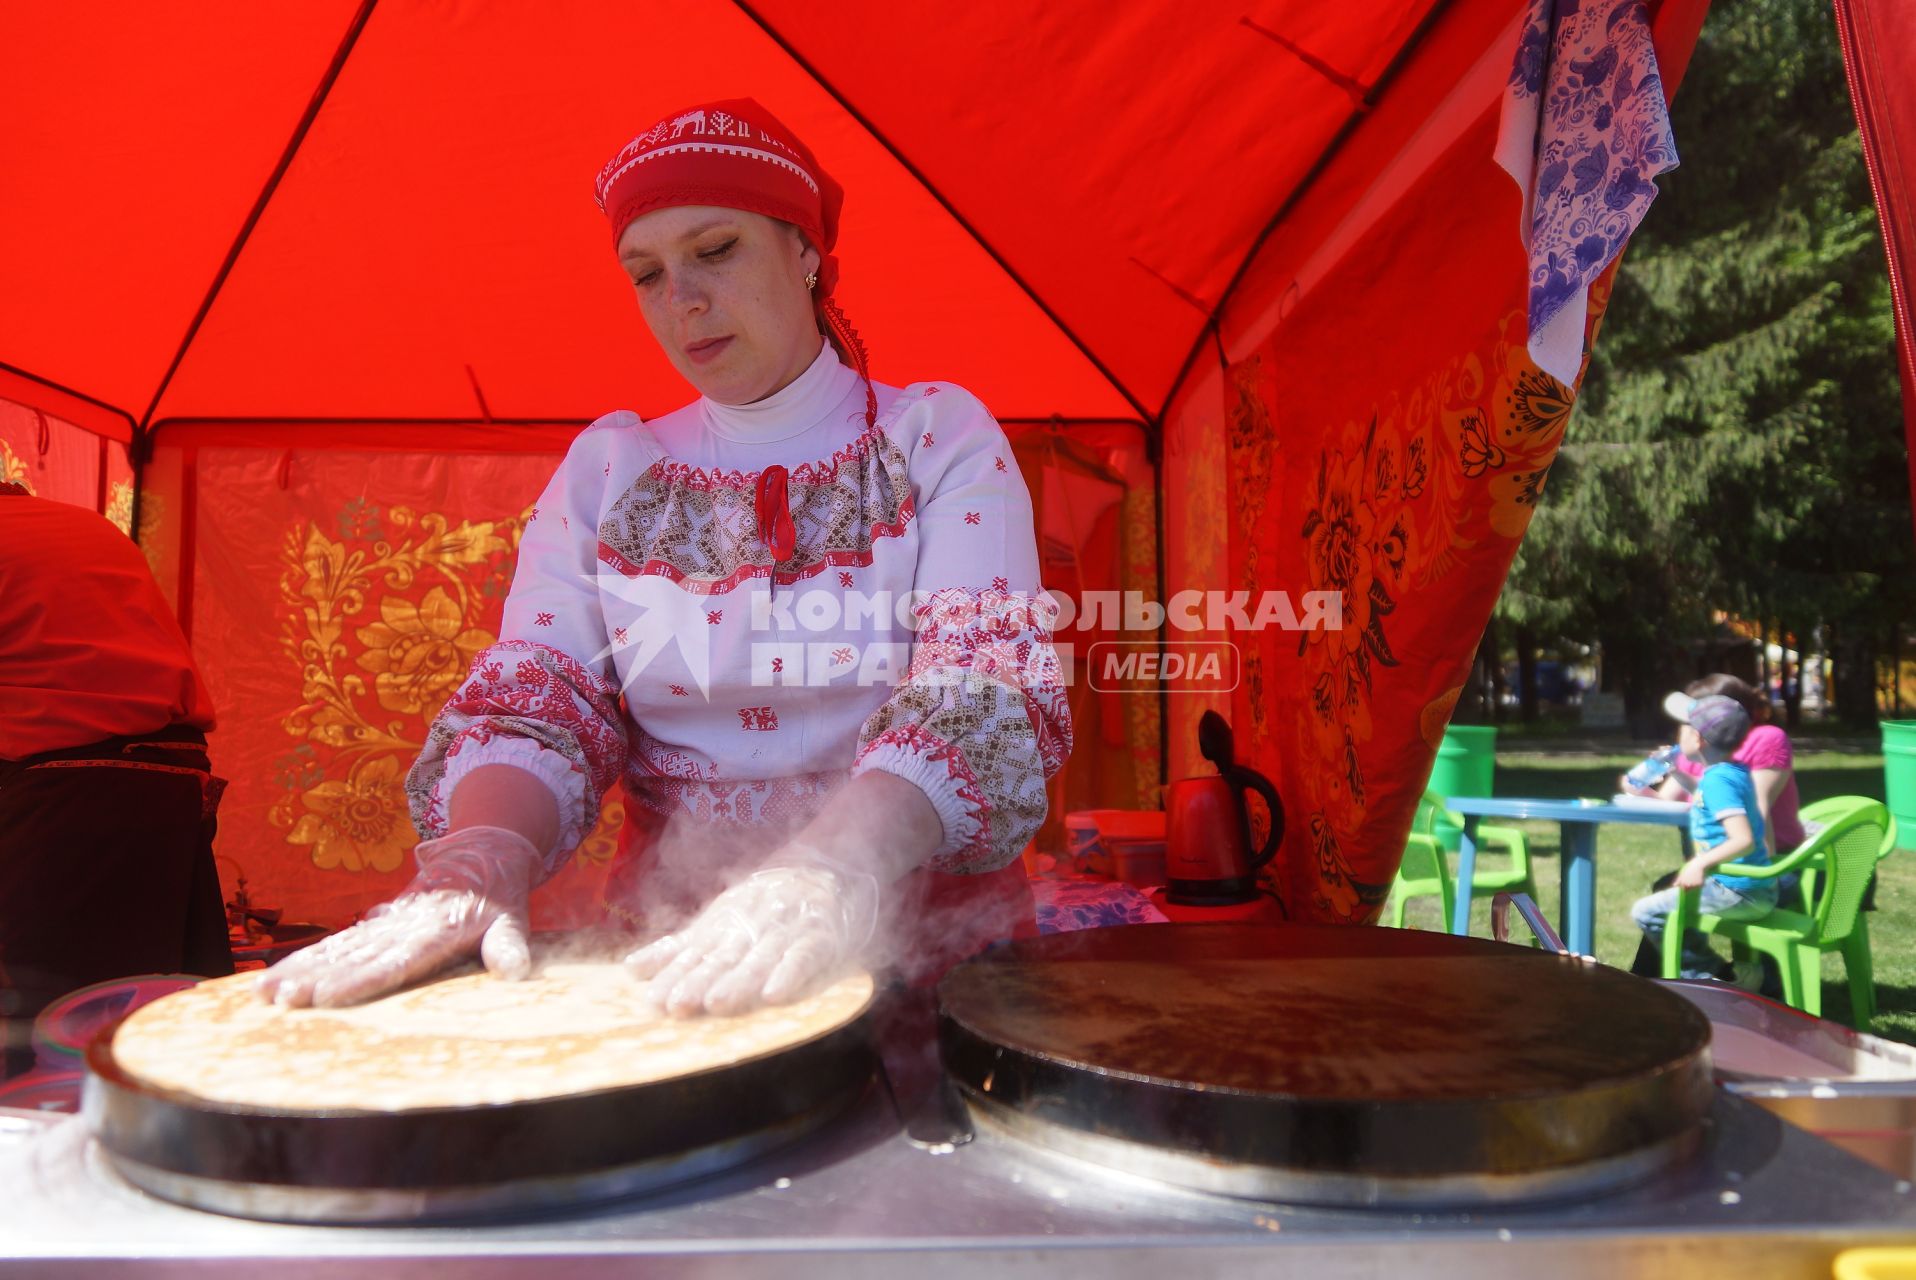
(805, 914)
(766, 940)
(470, 895)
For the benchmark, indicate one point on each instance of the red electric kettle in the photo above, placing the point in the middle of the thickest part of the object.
(1207, 854)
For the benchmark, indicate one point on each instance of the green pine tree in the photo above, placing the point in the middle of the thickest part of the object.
(1739, 442)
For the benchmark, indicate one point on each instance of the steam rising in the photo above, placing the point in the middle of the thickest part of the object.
(690, 860)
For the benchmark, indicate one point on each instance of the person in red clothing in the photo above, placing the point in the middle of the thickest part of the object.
(106, 795)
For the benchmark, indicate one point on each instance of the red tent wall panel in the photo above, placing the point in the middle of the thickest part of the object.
(337, 597)
(1879, 49)
(67, 463)
(337, 594)
(1095, 499)
(1380, 432)
(52, 458)
(1455, 75)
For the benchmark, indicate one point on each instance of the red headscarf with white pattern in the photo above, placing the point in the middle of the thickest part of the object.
(735, 154)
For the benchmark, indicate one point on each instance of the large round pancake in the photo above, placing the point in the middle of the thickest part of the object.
(465, 1040)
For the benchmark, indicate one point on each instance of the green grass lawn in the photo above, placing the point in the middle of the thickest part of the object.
(1630, 857)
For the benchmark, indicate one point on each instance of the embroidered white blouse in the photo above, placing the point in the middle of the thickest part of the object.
(649, 636)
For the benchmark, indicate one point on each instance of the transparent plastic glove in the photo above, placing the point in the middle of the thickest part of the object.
(766, 940)
(470, 895)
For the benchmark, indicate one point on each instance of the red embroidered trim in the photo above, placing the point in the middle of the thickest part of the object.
(747, 572)
(650, 758)
(587, 681)
(820, 472)
(566, 695)
(999, 614)
(119, 764)
(990, 634)
(211, 787)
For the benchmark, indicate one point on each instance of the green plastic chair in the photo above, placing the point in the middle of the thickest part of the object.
(1826, 812)
(1796, 940)
(1425, 869)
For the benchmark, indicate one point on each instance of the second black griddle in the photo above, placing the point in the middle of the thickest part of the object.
(1326, 1064)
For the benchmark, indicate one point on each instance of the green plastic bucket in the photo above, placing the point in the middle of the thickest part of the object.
(1466, 766)
(1467, 761)
(1899, 777)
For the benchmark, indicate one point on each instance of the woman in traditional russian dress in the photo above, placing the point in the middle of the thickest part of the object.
(798, 620)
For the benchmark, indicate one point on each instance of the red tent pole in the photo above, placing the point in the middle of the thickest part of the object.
(1879, 56)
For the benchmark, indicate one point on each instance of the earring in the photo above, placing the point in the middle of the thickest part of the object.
(811, 280)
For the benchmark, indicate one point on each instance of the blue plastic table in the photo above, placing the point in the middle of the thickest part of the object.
(1577, 903)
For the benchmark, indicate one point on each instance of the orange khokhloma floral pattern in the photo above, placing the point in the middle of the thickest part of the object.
(1252, 441)
(383, 611)
(119, 510)
(1138, 558)
(13, 468)
(1434, 483)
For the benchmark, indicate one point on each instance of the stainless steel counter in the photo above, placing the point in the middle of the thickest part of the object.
(861, 1200)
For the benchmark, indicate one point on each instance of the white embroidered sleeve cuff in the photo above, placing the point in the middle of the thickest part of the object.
(560, 775)
(937, 770)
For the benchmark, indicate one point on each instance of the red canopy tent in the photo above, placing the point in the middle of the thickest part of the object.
(329, 276)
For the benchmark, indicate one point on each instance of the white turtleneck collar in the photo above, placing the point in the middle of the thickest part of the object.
(800, 405)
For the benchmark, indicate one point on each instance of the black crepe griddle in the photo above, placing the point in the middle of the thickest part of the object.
(428, 1164)
(1329, 1065)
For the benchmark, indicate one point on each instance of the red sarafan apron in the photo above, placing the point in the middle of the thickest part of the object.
(939, 919)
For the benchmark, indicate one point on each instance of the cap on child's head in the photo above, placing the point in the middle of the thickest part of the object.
(1677, 707)
(1719, 721)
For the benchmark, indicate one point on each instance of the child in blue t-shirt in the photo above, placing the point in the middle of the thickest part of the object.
(1725, 826)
